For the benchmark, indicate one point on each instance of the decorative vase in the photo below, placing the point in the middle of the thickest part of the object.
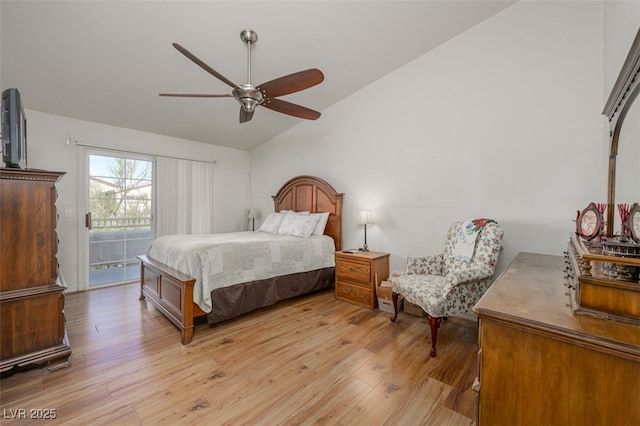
(625, 232)
(602, 207)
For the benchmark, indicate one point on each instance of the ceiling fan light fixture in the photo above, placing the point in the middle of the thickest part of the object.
(248, 96)
(249, 104)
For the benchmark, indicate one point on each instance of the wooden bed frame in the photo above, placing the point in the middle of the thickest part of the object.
(171, 291)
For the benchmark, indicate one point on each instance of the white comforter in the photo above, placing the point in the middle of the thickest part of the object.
(221, 260)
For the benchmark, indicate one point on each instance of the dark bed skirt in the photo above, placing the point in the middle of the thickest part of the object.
(230, 302)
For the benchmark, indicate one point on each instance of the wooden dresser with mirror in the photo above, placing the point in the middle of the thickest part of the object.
(603, 271)
(560, 349)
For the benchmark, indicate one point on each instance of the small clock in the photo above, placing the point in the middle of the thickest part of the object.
(633, 222)
(589, 222)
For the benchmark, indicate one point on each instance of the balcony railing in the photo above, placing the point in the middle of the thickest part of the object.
(114, 244)
(121, 222)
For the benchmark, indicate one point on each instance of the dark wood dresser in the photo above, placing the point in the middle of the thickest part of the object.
(540, 363)
(32, 329)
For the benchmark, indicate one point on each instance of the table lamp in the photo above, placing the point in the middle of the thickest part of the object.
(365, 219)
(253, 215)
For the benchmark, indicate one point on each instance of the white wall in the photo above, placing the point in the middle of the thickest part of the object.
(48, 149)
(621, 23)
(502, 122)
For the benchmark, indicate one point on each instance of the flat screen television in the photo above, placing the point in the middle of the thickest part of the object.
(14, 130)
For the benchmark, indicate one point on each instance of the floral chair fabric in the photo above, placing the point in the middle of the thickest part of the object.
(444, 284)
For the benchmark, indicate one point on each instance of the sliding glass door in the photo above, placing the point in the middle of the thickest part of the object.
(120, 216)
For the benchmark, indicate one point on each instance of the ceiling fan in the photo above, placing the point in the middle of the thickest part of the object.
(265, 94)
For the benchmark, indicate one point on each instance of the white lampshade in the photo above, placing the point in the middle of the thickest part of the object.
(253, 214)
(366, 218)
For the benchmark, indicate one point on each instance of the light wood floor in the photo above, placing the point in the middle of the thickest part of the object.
(311, 360)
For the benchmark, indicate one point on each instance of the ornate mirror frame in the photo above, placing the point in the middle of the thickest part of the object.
(624, 92)
(589, 222)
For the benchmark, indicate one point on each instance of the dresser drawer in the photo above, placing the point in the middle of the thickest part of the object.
(354, 293)
(353, 270)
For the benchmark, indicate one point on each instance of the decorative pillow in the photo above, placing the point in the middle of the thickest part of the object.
(322, 223)
(294, 212)
(298, 225)
(272, 223)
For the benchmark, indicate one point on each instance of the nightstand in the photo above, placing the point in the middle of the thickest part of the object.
(357, 275)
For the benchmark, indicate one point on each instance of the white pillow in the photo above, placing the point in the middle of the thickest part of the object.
(294, 212)
(322, 223)
(272, 223)
(298, 225)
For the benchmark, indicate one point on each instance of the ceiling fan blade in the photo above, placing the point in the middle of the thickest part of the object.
(288, 108)
(194, 95)
(204, 66)
(292, 83)
(245, 116)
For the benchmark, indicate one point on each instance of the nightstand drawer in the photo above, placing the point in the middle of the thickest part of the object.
(354, 293)
(354, 270)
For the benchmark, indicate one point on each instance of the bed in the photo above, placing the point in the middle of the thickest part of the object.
(172, 291)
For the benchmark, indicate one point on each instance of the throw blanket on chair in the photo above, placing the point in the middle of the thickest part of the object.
(466, 238)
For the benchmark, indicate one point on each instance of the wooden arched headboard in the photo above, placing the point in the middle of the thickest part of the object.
(312, 194)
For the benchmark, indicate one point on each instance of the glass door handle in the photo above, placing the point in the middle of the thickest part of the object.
(87, 220)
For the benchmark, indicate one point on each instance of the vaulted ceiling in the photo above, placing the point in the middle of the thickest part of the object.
(106, 61)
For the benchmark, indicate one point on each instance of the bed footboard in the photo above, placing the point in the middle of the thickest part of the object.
(171, 292)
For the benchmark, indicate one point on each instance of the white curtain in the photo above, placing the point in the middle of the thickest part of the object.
(184, 196)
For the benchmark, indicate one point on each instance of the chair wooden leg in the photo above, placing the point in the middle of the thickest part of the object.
(394, 299)
(434, 322)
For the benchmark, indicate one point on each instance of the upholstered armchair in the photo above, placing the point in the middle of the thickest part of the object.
(451, 282)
